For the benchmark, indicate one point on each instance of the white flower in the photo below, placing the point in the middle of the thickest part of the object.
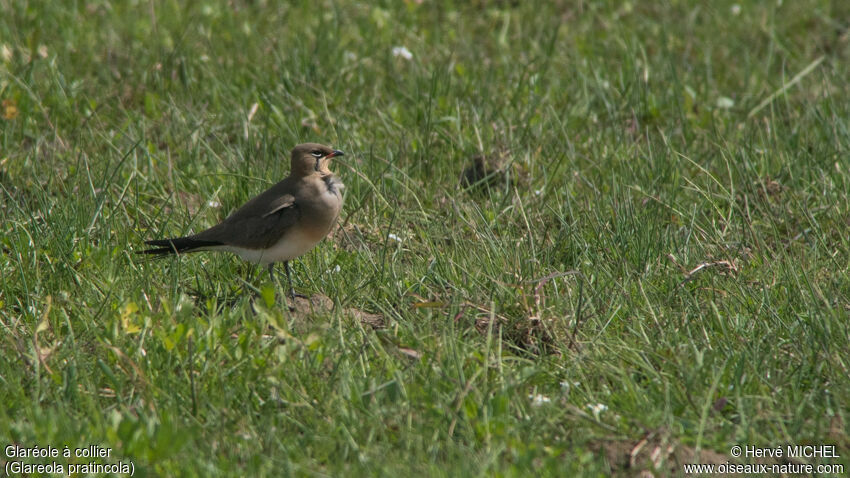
(725, 103)
(566, 386)
(538, 399)
(213, 204)
(403, 52)
(394, 237)
(736, 9)
(597, 408)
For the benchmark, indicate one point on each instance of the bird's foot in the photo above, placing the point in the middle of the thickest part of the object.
(292, 301)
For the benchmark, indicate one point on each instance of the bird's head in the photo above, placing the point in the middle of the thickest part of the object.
(309, 158)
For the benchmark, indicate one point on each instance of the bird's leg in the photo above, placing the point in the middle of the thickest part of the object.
(292, 293)
(289, 278)
(271, 271)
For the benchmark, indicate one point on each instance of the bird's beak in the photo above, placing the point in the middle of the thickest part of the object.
(330, 155)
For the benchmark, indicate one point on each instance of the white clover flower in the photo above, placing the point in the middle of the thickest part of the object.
(566, 386)
(538, 399)
(597, 409)
(402, 51)
(725, 102)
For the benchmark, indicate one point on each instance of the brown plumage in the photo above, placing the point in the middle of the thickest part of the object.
(280, 224)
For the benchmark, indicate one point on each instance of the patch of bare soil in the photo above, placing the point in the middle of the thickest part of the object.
(654, 455)
(305, 309)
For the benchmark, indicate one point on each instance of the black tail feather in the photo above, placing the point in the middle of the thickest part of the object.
(178, 245)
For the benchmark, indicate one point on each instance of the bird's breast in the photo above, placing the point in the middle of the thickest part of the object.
(319, 214)
(333, 185)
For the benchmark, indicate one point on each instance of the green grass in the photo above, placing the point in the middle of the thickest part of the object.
(635, 142)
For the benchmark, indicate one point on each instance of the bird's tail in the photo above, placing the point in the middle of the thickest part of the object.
(178, 245)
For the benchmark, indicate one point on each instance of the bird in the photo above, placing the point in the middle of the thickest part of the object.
(281, 223)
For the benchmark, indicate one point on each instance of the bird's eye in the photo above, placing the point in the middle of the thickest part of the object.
(317, 153)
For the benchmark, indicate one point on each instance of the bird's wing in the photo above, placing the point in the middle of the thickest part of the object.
(257, 225)
(279, 204)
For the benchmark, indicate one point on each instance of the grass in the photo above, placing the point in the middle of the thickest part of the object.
(655, 269)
